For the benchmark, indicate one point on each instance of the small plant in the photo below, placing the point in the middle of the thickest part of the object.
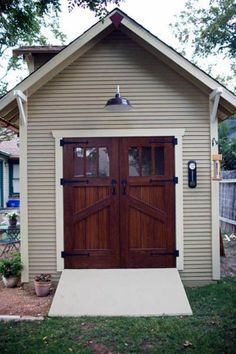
(11, 267)
(43, 277)
(12, 216)
(42, 284)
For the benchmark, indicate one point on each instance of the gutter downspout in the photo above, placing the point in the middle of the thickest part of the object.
(21, 98)
(214, 99)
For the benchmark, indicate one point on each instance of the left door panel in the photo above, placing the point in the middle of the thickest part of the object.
(91, 209)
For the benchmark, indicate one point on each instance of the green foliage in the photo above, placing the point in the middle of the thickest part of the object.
(97, 6)
(12, 216)
(227, 147)
(11, 266)
(211, 329)
(21, 23)
(210, 30)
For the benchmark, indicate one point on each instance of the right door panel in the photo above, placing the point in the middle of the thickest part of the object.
(147, 202)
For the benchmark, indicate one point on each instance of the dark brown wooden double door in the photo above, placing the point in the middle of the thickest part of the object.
(119, 202)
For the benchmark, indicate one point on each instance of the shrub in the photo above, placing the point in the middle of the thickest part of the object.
(11, 267)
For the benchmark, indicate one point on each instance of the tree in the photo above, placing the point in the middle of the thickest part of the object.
(97, 6)
(227, 147)
(210, 31)
(22, 23)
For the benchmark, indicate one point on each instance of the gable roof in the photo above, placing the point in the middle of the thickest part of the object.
(115, 19)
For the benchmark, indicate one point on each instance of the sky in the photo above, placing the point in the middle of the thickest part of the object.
(154, 15)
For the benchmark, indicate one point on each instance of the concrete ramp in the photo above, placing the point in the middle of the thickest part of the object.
(120, 292)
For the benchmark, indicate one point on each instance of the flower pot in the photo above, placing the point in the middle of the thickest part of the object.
(10, 282)
(42, 288)
(12, 222)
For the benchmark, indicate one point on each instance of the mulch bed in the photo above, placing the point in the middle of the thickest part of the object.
(22, 301)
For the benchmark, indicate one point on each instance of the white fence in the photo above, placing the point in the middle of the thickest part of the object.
(228, 201)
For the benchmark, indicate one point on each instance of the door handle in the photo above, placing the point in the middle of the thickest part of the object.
(124, 186)
(113, 186)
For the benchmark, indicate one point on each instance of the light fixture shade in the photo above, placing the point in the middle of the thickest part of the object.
(118, 103)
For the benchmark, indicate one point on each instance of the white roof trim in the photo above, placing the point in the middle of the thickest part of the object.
(67, 55)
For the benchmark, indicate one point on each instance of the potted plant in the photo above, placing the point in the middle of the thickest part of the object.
(10, 269)
(42, 284)
(12, 218)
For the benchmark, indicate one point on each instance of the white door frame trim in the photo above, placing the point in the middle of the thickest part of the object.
(59, 134)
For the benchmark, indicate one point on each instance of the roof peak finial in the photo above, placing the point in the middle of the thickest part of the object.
(116, 19)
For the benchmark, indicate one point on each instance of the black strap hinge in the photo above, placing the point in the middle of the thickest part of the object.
(74, 253)
(172, 180)
(175, 141)
(64, 181)
(175, 253)
(66, 142)
(176, 180)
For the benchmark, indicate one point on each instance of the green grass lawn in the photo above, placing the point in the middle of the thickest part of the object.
(212, 329)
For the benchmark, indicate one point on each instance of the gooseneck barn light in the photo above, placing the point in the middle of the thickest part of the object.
(118, 103)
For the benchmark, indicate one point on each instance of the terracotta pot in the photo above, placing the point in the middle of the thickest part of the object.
(10, 282)
(42, 288)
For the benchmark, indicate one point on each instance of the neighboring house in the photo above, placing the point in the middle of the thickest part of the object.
(116, 190)
(9, 172)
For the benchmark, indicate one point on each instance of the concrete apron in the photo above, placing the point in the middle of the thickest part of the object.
(120, 292)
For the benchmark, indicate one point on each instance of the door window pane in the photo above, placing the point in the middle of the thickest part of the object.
(159, 161)
(91, 162)
(78, 162)
(146, 161)
(103, 162)
(134, 169)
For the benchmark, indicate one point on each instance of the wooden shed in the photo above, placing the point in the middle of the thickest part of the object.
(132, 189)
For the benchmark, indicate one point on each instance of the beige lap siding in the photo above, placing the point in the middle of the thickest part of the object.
(74, 99)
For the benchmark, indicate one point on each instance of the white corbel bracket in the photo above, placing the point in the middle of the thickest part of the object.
(214, 99)
(21, 98)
